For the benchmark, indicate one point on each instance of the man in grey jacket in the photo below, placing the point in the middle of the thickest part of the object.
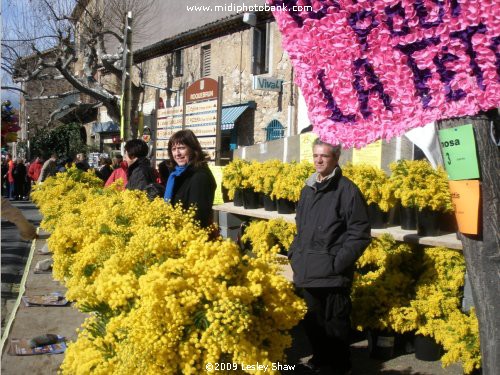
(49, 168)
(332, 233)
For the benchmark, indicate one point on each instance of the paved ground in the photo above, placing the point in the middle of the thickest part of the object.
(33, 321)
(14, 255)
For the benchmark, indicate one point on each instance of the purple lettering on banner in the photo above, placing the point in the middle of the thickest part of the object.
(393, 12)
(363, 92)
(495, 42)
(466, 37)
(447, 76)
(422, 13)
(455, 8)
(320, 13)
(374, 69)
(337, 114)
(362, 33)
(420, 76)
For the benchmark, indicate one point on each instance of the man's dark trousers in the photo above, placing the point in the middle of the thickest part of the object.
(327, 325)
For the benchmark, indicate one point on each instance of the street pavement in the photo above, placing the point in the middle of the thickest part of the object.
(15, 252)
(33, 321)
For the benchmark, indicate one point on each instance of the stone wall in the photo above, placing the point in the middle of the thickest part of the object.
(39, 110)
(231, 59)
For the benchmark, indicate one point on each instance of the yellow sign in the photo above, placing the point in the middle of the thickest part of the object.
(201, 119)
(370, 154)
(208, 106)
(203, 130)
(169, 121)
(465, 196)
(171, 111)
(217, 172)
(306, 141)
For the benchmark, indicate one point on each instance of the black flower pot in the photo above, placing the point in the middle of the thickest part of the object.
(408, 218)
(380, 344)
(285, 206)
(426, 348)
(225, 196)
(394, 217)
(269, 203)
(376, 216)
(428, 222)
(238, 198)
(250, 199)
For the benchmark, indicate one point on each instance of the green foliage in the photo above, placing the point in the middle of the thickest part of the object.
(65, 141)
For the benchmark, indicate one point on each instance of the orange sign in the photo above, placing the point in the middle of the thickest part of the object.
(202, 89)
(465, 195)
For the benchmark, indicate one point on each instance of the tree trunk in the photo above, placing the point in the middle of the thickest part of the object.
(482, 252)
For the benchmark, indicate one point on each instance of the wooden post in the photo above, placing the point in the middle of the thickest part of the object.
(482, 252)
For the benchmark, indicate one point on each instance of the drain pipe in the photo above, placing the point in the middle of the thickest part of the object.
(291, 109)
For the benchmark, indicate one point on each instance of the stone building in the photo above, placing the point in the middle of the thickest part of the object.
(259, 99)
(35, 114)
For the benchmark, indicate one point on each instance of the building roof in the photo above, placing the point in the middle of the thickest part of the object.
(200, 34)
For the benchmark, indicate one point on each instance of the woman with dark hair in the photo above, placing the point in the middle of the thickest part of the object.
(191, 182)
(140, 173)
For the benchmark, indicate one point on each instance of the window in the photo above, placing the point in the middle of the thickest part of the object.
(260, 51)
(205, 61)
(178, 63)
(274, 130)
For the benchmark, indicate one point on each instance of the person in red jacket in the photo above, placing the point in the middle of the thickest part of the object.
(35, 169)
(120, 172)
(9, 177)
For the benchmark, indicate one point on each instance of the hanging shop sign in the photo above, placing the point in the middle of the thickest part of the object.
(458, 147)
(372, 70)
(267, 84)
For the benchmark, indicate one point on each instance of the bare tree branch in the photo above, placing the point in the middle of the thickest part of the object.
(54, 96)
(30, 39)
(14, 88)
(61, 109)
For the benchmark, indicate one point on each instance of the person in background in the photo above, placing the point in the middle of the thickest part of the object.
(5, 168)
(117, 161)
(119, 172)
(82, 162)
(19, 173)
(332, 233)
(191, 182)
(140, 173)
(9, 177)
(49, 168)
(164, 172)
(35, 169)
(64, 165)
(105, 169)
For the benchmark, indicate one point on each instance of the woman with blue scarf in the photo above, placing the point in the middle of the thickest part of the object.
(191, 182)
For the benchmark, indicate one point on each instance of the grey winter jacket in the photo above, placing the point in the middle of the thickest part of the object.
(332, 233)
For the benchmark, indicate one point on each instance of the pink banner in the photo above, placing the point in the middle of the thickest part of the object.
(372, 69)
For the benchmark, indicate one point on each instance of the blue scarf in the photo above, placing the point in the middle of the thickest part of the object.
(169, 190)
